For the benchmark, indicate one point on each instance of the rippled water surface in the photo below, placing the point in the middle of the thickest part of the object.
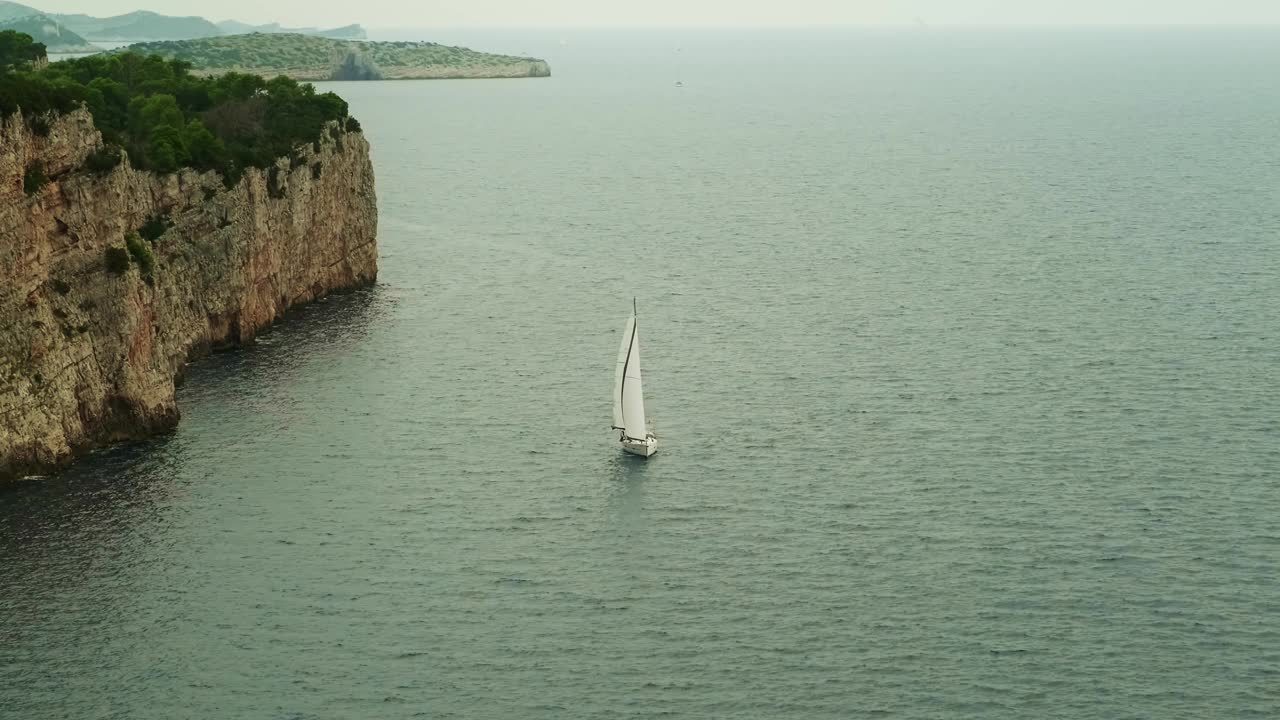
(962, 349)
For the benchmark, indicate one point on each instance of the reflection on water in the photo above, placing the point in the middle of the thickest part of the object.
(625, 482)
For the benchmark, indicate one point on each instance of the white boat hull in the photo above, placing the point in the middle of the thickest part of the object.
(643, 448)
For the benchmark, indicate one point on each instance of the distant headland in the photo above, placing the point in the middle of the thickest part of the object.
(307, 57)
(269, 50)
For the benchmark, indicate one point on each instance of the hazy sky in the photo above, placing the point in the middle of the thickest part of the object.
(560, 13)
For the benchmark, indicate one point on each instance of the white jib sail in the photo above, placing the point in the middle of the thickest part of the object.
(623, 347)
(632, 393)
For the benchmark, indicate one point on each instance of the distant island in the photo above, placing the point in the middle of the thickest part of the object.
(269, 50)
(55, 36)
(75, 33)
(306, 57)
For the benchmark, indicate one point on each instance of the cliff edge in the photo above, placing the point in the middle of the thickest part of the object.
(90, 346)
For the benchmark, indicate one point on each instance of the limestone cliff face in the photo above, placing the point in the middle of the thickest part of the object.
(89, 356)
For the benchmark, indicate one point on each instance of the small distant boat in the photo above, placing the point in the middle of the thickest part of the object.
(679, 84)
(628, 395)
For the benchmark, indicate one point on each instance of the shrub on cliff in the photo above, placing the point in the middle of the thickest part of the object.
(140, 251)
(35, 93)
(154, 227)
(103, 160)
(34, 178)
(117, 260)
(155, 130)
(39, 125)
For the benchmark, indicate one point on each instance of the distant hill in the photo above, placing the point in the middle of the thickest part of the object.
(144, 26)
(347, 32)
(140, 25)
(11, 10)
(306, 57)
(43, 29)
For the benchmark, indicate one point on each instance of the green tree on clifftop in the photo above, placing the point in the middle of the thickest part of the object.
(18, 49)
(167, 119)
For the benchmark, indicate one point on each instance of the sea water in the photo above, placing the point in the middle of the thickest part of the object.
(961, 347)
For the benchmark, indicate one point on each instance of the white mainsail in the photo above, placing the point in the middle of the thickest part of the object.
(628, 394)
(631, 393)
(623, 348)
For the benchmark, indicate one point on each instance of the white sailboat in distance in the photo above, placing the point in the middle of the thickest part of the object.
(628, 395)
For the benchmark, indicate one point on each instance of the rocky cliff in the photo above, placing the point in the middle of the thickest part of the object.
(90, 346)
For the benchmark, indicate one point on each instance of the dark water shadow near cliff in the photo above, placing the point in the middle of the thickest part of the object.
(80, 498)
(108, 526)
(103, 492)
(91, 529)
(328, 326)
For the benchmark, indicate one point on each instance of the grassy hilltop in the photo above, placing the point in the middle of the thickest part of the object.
(306, 57)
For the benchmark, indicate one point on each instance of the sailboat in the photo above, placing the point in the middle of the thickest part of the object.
(628, 396)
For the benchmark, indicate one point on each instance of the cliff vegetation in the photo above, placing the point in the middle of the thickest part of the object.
(165, 117)
(19, 50)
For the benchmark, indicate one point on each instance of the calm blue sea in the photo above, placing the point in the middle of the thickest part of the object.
(961, 346)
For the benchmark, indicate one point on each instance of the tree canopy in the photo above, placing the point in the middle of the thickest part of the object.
(168, 118)
(18, 49)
